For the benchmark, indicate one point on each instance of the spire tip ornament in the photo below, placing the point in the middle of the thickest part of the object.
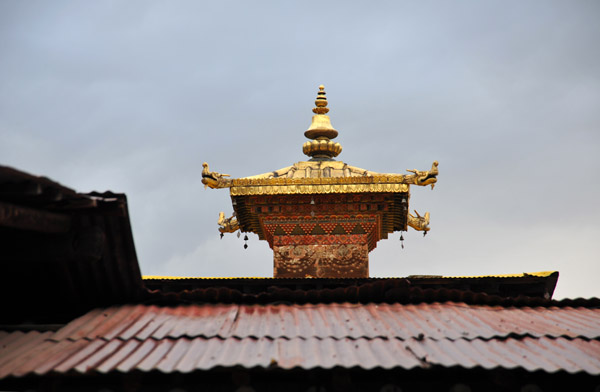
(321, 132)
(321, 102)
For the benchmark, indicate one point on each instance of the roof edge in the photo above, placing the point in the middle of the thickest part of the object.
(540, 274)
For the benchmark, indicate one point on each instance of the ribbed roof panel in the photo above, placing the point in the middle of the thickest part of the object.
(186, 355)
(437, 321)
(202, 337)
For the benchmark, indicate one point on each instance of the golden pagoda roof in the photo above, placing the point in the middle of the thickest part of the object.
(320, 174)
(319, 169)
(319, 177)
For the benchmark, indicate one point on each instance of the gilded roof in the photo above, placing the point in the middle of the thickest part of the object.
(307, 177)
(321, 175)
(320, 170)
(325, 177)
(311, 179)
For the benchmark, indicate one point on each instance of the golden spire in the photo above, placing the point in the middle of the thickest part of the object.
(321, 131)
(321, 102)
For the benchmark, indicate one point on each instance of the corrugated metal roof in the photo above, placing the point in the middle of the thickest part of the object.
(437, 321)
(187, 338)
(185, 354)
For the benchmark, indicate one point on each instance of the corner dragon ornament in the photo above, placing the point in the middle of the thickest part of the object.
(227, 225)
(214, 179)
(424, 178)
(419, 223)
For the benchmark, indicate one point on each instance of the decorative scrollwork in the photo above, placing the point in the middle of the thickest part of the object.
(295, 259)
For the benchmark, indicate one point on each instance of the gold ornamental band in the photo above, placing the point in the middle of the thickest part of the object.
(395, 179)
(317, 189)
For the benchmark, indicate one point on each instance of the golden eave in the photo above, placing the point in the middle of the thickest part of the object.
(320, 177)
(279, 186)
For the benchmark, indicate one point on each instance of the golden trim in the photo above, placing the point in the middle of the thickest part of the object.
(393, 179)
(541, 274)
(317, 189)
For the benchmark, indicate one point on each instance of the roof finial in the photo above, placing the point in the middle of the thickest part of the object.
(321, 131)
(321, 102)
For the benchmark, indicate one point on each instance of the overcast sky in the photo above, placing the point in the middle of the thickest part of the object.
(133, 96)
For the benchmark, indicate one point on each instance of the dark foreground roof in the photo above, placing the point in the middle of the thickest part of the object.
(203, 337)
(63, 253)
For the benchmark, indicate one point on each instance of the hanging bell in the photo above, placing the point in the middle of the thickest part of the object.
(221, 235)
(246, 238)
(424, 233)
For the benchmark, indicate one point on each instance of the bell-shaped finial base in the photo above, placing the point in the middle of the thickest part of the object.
(321, 132)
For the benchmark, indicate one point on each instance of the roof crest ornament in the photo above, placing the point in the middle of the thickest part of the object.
(321, 148)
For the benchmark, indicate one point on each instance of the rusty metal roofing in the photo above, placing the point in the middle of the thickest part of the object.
(203, 337)
(186, 355)
(436, 321)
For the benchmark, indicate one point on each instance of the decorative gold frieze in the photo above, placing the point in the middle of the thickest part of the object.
(381, 179)
(317, 189)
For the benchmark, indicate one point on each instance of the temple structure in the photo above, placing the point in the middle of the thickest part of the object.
(79, 316)
(322, 217)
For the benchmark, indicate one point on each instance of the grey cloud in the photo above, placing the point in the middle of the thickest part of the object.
(134, 96)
